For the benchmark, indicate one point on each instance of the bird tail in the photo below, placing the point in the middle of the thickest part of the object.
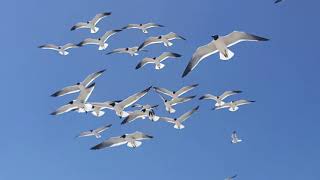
(98, 113)
(134, 144)
(229, 54)
(160, 66)
(94, 30)
(180, 126)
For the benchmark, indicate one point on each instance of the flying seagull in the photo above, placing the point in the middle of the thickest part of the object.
(220, 44)
(79, 86)
(146, 111)
(132, 51)
(165, 39)
(219, 99)
(119, 107)
(60, 49)
(234, 105)
(157, 60)
(101, 42)
(230, 178)
(178, 121)
(132, 140)
(170, 103)
(94, 132)
(234, 138)
(80, 104)
(175, 94)
(143, 27)
(98, 107)
(92, 23)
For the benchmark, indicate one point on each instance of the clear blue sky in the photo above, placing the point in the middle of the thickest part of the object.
(280, 131)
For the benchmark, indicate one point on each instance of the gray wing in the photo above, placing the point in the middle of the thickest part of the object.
(167, 119)
(89, 41)
(119, 50)
(112, 142)
(200, 54)
(186, 115)
(144, 62)
(152, 25)
(85, 134)
(104, 105)
(140, 136)
(132, 26)
(186, 89)
(243, 102)
(101, 129)
(69, 46)
(85, 94)
(167, 55)
(100, 16)
(172, 35)
(209, 96)
(79, 25)
(149, 41)
(108, 34)
(134, 98)
(226, 105)
(91, 77)
(229, 93)
(66, 90)
(181, 100)
(64, 109)
(236, 37)
(163, 91)
(133, 116)
(49, 46)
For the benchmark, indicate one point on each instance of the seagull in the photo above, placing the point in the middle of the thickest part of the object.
(234, 138)
(98, 107)
(175, 94)
(79, 86)
(234, 105)
(94, 132)
(170, 103)
(101, 42)
(143, 27)
(92, 23)
(277, 1)
(80, 104)
(230, 178)
(119, 107)
(146, 111)
(60, 49)
(178, 121)
(146, 107)
(219, 99)
(157, 60)
(165, 39)
(221, 45)
(132, 140)
(132, 51)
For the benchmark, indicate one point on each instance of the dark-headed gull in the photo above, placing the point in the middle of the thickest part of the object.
(165, 39)
(220, 44)
(170, 103)
(219, 99)
(175, 94)
(132, 140)
(132, 51)
(143, 27)
(234, 105)
(178, 121)
(157, 60)
(94, 132)
(92, 23)
(146, 111)
(101, 42)
(60, 49)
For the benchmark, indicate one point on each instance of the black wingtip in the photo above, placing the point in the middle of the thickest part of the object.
(124, 122)
(107, 13)
(151, 137)
(95, 148)
(80, 44)
(176, 55)
(160, 25)
(91, 85)
(182, 38)
(53, 113)
(252, 101)
(191, 97)
(109, 125)
(185, 72)
(56, 94)
(196, 108)
(73, 28)
(237, 91)
(102, 71)
(138, 66)
(117, 30)
(201, 98)
(148, 89)
(195, 85)
(41, 46)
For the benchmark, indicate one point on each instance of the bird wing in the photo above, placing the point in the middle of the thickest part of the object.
(151, 25)
(64, 109)
(139, 136)
(149, 41)
(132, 26)
(100, 16)
(133, 116)
(85, 134)
(66, 90)
(209, 96)
(69, 46)
(101, 129)
(201, 53)
(91, 77)
(186, 115)
(89, 41)
(144, 62)
(229, 93)
(176, 101)
(104, 105)
(172, 35)
(111, 142)
(85, 94)
(49, 46)
(236, 37)
(242, 102)
(226, 105)
(167, 119)
(163, 91)
(277, 1)
(167, 55)
(186, 89)
(119, 50)
(79, 25)
(133, 98)
(108, 34)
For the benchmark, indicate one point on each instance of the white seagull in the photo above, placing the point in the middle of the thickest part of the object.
(221, 45)
(60, 49)
(92, 23)
(79, 86)
(230, 178)
(178, 121)
(98, 107)
(132, 51)
(234, 105)
(219, 99)
(165, 39)
(234, 138)
(143, 27)
(170, 103)
(80, 104)
(101, 42)
(175, 94)
(132, 140)
(94, 132)
(157, 60)
(146, 112)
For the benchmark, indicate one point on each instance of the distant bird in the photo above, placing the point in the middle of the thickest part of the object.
(119, 107)
(101, 42)
(92, 23)
(145, 107)
(60, 49)
(178, 121)
(234, 105)
(230, 178)
(143, 114)
(234, 138)
(143, 27)
(219, 99)
(79, 86)
(170, 103)
(95, 132)
(165, 39)
(133, 51)
(98, 107)
(175, 94)
(80, 104)
(132, 140)
(277, 1)
(157, 60)
(220, 44)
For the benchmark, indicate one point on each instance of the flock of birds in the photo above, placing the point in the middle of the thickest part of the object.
(219, 44)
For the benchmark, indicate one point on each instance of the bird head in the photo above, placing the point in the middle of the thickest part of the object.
(215, 37)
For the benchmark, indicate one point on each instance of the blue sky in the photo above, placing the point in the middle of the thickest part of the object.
(280, 131)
